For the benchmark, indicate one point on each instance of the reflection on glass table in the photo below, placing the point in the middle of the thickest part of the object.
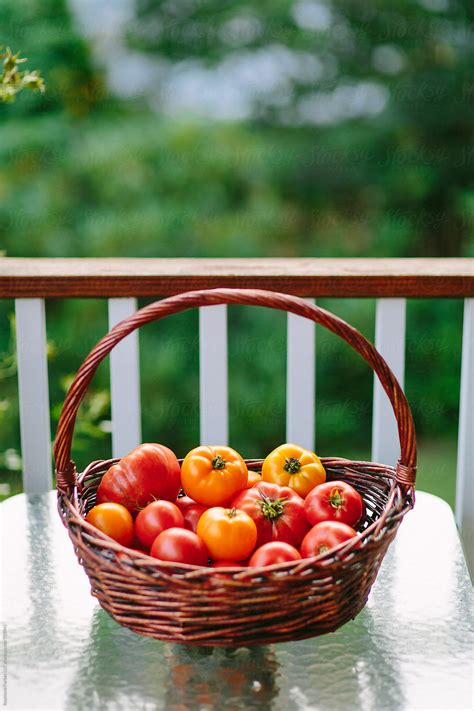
(408, 649)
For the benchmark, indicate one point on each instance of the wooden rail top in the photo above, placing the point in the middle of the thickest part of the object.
(29, 277)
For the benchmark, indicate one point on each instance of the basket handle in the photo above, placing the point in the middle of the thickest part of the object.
(65, 467)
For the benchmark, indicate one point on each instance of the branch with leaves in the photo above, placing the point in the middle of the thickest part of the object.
(12, 81)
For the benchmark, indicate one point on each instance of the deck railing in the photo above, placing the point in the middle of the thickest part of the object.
(121, 281)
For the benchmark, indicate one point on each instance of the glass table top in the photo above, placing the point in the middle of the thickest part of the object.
(410, 648)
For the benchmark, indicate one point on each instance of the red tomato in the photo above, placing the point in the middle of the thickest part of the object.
(155, 518)
(113, 520)
(324, 536)
(278, 512)
(227, 564)
(334, 501)
(274, 552)
(191, 510)
(150, 472)
(180, 546)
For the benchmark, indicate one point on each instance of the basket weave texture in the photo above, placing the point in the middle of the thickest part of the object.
(237, 607)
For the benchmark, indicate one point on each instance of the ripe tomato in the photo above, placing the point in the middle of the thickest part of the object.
(180, 546)
(229, 534)
(213, 475)
(151, 471)
(155, 518)
(324, 536)
(226, 564)
(254, 478)
(278, 513)
(114, 520)
(274, 552)
(334, 501)
(293, 466)
(191, 511)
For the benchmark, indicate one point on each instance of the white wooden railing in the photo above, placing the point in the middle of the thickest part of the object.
(122, 281)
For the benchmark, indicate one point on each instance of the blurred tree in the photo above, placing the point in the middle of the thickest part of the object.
(362, 147)
(402, 179)
(45, 32)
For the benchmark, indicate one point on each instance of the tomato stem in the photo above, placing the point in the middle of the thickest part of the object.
(218, 462)
(336, 499)
(272, 509)
(292, 465)
(323, 549)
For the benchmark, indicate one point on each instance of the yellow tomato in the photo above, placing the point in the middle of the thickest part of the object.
(294, 466)
(213, 475)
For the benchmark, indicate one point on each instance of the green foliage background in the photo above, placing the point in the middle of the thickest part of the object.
(85, 174)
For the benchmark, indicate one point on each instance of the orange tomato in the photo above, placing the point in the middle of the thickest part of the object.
(213, 475)
(229, 534)
(294, 466)
(114, 520)
(254, 478)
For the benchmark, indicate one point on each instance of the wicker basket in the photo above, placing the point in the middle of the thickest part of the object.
(288, 601)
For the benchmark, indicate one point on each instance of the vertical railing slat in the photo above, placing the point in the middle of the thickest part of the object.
(300, 381)
(213, 399)
(35, 429)
(124, 382)
(465, 466)
(390, 342)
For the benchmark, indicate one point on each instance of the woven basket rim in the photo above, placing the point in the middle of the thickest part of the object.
(96, 539)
